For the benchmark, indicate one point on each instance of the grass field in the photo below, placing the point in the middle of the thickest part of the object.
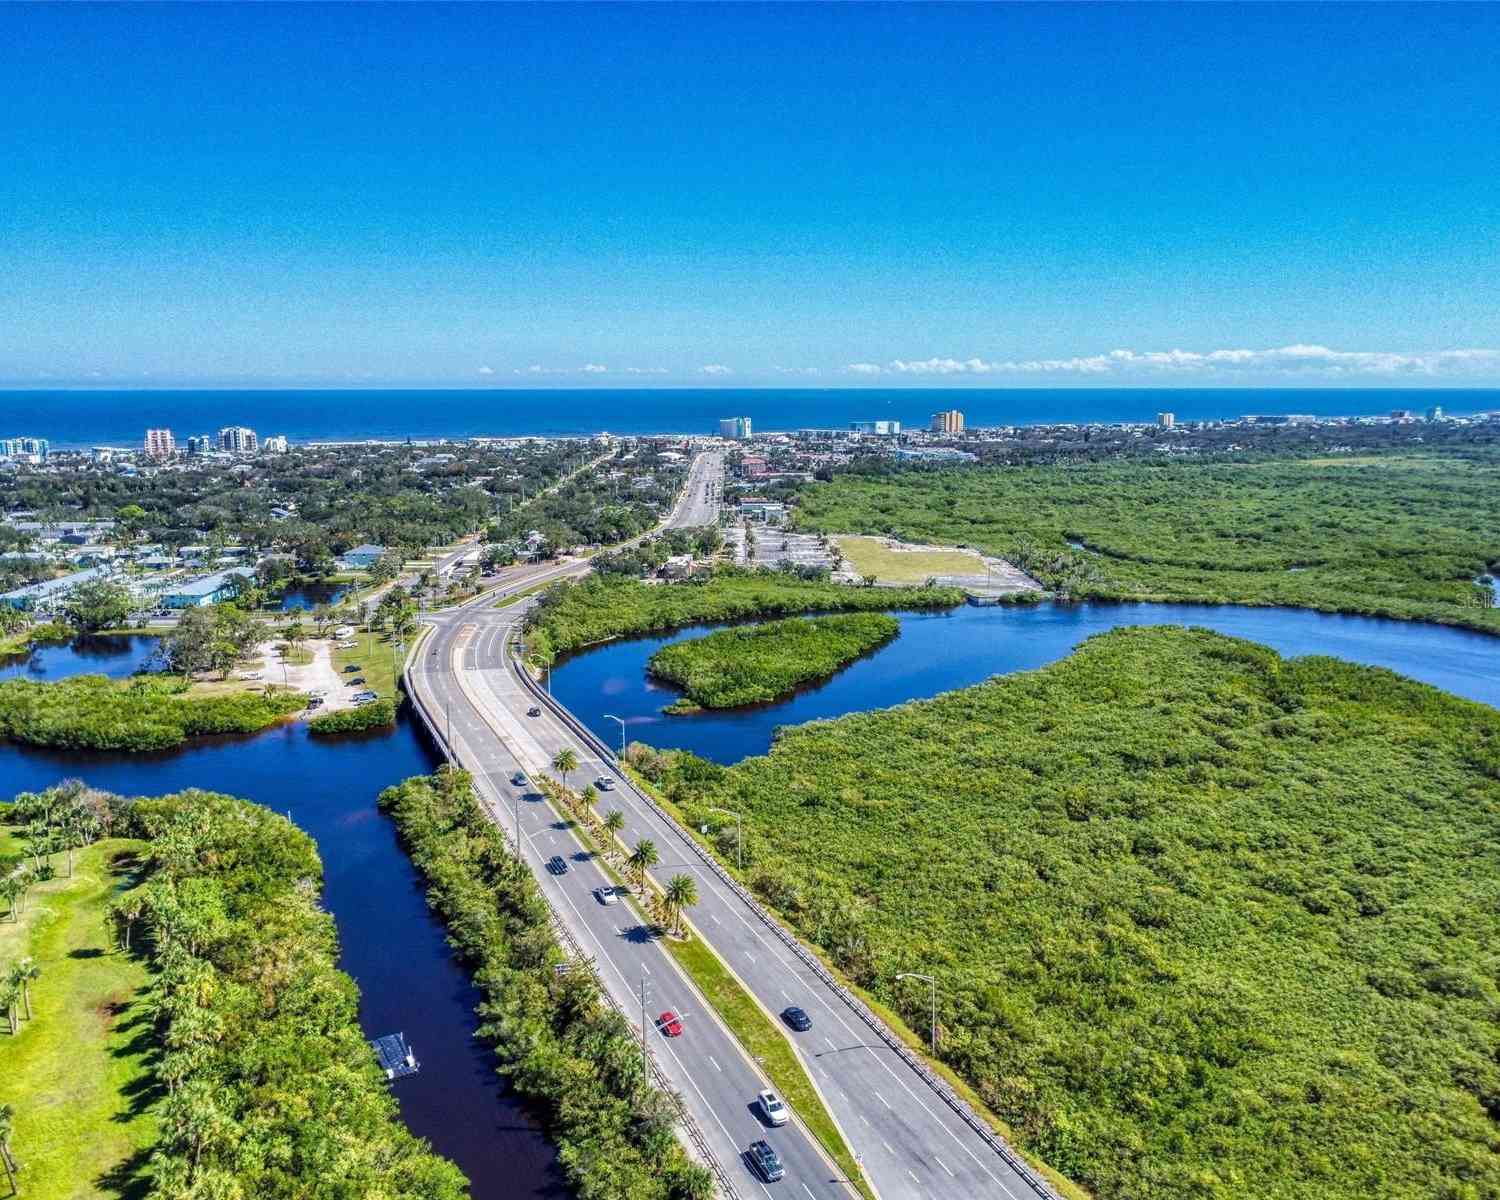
(77, 1073)
(870, 556)
(378, 659)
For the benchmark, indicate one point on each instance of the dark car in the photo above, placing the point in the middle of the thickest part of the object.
(353, 667)
(533, 711)
(767, 1162)
(797, 1019)
(519, 779)
(557, 865)
(357, 681)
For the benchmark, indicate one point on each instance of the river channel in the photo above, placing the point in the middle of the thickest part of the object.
(937, 652)
(391, 944)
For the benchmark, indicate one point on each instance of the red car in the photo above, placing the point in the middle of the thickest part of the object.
(670, 1024)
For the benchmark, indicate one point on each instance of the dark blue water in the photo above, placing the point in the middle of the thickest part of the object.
(309, 595)
(937, 652)
(392, 946)
(115, 656)
(84, 418)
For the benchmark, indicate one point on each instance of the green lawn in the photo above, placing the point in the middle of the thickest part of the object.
(870, 556)
(77, 1074)
(378, 657)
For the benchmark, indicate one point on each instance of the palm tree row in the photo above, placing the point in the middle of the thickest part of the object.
(15, 992)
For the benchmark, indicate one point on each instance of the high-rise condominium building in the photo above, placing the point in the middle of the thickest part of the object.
(160, 443)
(951, 421)
(201, 444)
(735, 427)
(276, 444)
(237, 439)
(1166, 420)
(879, 428)
(24, 447)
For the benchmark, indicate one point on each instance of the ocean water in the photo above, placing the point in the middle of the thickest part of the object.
(120, 418)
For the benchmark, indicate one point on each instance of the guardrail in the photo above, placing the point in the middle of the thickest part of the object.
(939, 1085)
(576, 954)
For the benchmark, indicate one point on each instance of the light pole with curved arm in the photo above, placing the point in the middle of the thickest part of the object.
(620, 721)
(933, 982)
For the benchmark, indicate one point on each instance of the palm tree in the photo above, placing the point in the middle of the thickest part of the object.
(10, 992)
(565, 763)
(681, 893)
(10, 888)
(7, 1159)
(125, 912)
(21, 975)
(590, 798)
(642, 859)
(614, 821)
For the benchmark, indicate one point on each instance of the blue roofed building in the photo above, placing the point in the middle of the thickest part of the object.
(49, 594)
(361, 558)
(211, 589)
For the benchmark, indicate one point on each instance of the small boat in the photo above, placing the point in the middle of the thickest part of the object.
(395, 1056)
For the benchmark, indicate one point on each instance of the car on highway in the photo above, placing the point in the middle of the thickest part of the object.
(557, 864)
(773, 1108)
(534, 711)
(796, 1018)
(767, 1162)
(670, 1024)
(604, 783)
(606, 895)
(519, 779)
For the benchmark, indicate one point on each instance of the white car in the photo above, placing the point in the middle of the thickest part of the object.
(606, 895)
(604, 783)
(773, 1108)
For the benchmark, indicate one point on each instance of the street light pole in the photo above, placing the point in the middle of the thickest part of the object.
(739, 836)
(933, 982)
(621, 723)
(645, 1067)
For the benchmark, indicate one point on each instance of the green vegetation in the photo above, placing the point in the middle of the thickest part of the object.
(72, 1069)
(378, 714)
(242, 1052)
(571, 615)
(872, 558)
(91, 607)
(1399, 536)
(764, 662)
(556, 1039)
(90, 712)
(1206, 922)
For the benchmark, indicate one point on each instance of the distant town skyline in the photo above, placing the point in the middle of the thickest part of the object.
(514, 196)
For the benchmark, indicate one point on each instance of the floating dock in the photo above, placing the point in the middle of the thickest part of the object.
(396, 1057)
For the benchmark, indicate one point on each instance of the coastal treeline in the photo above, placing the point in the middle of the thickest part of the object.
(1403, 536)
(568, 615)
(555, 1038)
(262, 1083)
(1205, 921)
(92, 712)
(758, 663)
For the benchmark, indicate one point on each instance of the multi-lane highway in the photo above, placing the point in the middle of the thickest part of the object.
(910, 1142)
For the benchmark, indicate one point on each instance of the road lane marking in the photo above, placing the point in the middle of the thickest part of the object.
(944, 1165)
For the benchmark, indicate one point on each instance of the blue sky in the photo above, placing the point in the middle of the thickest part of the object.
(844, 195)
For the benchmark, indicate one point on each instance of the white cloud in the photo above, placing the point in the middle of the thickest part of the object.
(594, 369)
(715, 369)
(1298, 359)
(486, 370)
(804, 371)
(647, 371)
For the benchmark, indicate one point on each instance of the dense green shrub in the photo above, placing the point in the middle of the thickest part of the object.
(375, 715)
(90, 712)
(570, 615)
(1206, 922)
(267, 1086)
(556, 1039)
(762, 662)
(1399, 535)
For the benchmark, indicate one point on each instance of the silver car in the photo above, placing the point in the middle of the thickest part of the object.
(773, 1108)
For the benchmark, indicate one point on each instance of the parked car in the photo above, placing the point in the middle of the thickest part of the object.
(670, 1024)
(367, 695)
(773, 1108)
(557, 865)
(353, 667)
(315, 702)
(534, 711)
(604, 783)
(606, 895)
(796, 1018)
(357, 681)
(767, 1162)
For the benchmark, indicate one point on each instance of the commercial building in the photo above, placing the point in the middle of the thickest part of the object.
(735, 427)
(1166, 420)
(951, 421)
(237, 439)
(361, 558)
(755, 508)
(48, 595)
(160, 443)
(211, 589)
(24, 447)
(878, 428)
